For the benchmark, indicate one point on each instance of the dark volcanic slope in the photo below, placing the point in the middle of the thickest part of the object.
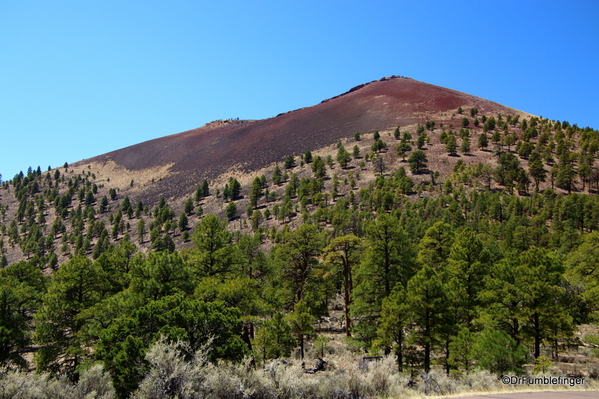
(208, 151)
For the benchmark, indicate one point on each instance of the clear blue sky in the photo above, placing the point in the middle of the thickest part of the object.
(81, 78)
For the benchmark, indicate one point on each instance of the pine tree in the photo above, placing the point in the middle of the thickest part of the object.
(343, 156)
(205, 189)
(141, 230)
(234, 188)
(402, 149)
(497, 352)
(566, 177)
(256, 219)
(299, 257)
(582, 270)
(231, 210)
(289, 162)
(76, 286)
(276, 175)
(308, 156)
(274, 340)
(255, 192)
(188, 207)
(319, 168)
(421, 140)
(378, 145)
(343, 255)
(212, 255)
(388, 260)
(451, 145)
(393, 324)
(183, 221)
(427, 304)
(461, 350)
(467, 267)
(483, 141)
(198, 195)
(301, 322)
(525, 297)
(417, 161)
(465, 147)
(434, 247)
(584, 172)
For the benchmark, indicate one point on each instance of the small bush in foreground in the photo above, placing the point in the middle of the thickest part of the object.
(94, 383)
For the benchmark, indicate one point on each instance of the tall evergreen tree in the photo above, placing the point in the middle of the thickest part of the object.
(387, 261)
(394, 323)
(76, 286)
(343, 254)
(299, 258)
(467, 267)
(213, 254)
(435, 246)
(427, 303)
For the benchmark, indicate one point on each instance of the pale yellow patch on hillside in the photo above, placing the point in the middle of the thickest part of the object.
(117, 176)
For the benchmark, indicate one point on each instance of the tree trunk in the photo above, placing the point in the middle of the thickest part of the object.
(399, 352)
(447, 342)
(537, 328)
(348, 288)
(427, 357)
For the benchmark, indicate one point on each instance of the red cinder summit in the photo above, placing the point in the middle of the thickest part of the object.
(209, 151)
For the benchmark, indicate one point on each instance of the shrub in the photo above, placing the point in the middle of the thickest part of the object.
(94, 384)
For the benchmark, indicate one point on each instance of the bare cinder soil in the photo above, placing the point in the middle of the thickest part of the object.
(237, 145)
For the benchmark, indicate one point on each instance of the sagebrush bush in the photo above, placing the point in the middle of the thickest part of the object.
(94, 383)
(481, 381)
(437, 383)
(177, 372)
(172, 376)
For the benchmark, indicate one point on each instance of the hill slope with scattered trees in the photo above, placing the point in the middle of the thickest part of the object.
(468, 241)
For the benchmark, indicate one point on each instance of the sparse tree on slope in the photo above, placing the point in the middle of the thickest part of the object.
(417, 161)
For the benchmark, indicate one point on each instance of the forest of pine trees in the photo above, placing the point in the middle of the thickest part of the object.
(425, 269)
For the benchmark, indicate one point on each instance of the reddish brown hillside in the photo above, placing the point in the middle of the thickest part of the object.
(213, 149)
